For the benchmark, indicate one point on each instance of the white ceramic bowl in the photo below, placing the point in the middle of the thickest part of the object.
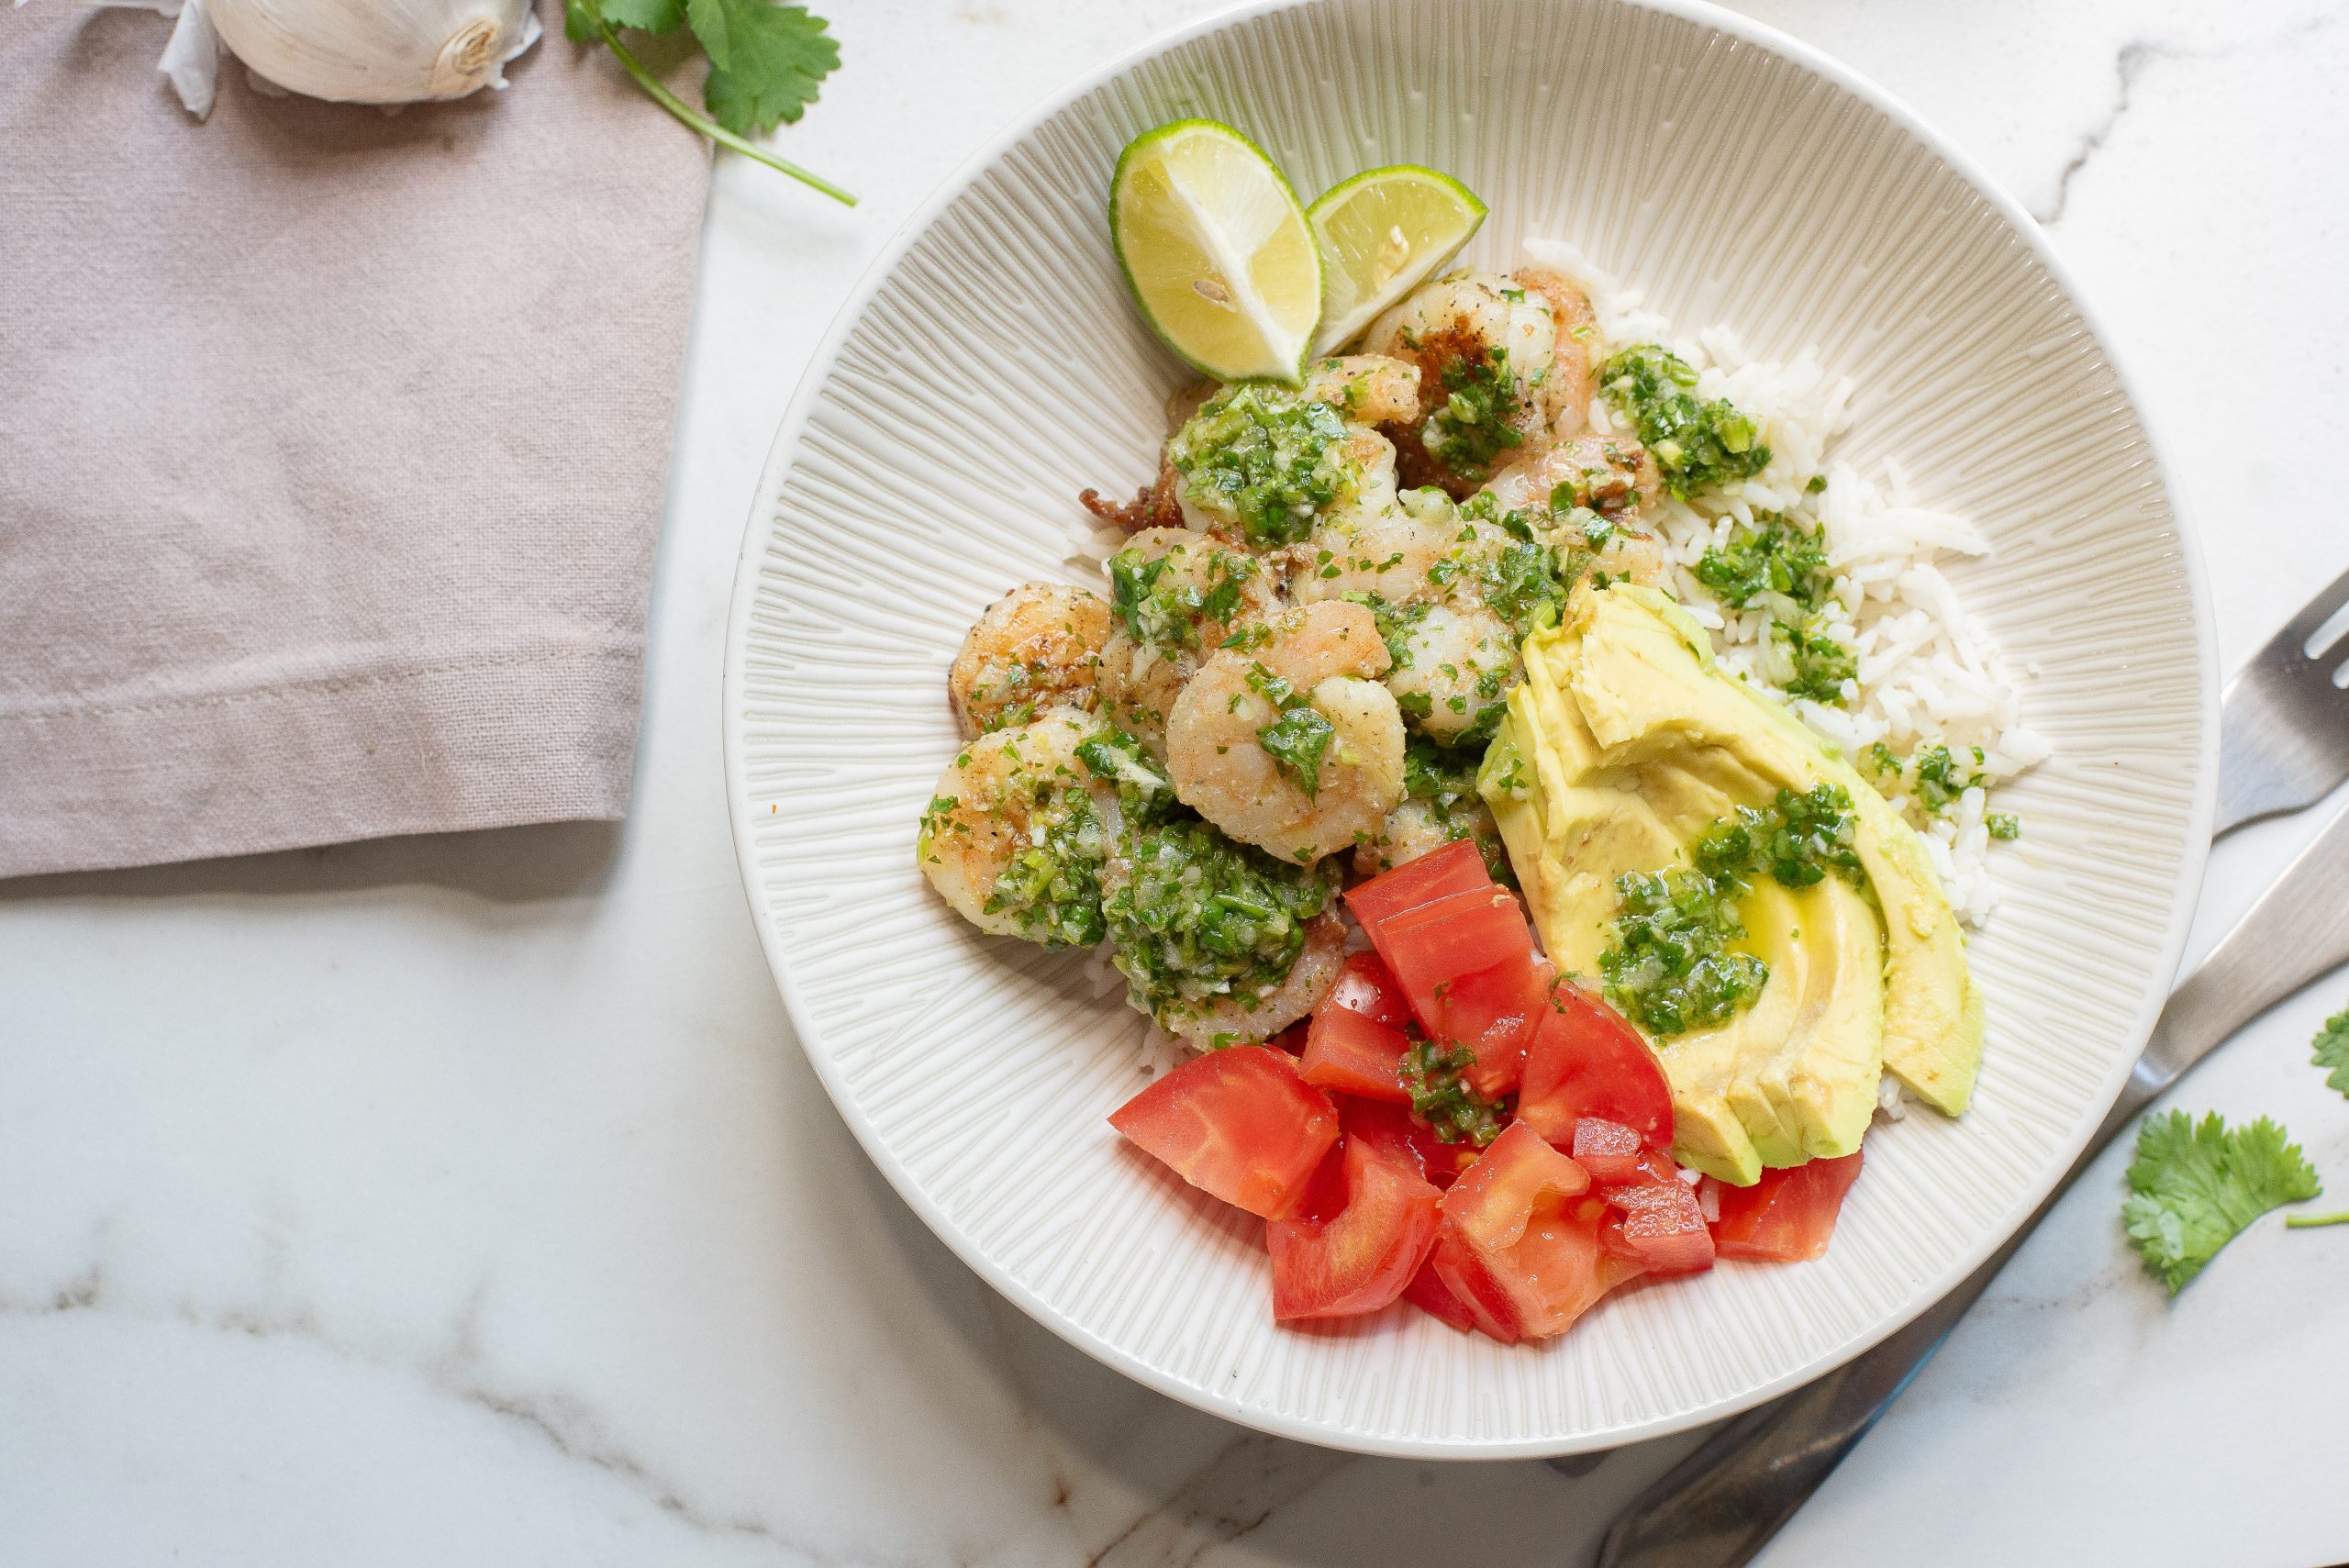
(992, 367)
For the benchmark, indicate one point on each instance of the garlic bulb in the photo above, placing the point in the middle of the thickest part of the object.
(374, 52)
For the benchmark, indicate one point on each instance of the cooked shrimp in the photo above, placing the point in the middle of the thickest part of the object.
(1610, 475)
(1454, 667)
(1485, 349)
(1368, 389)
(1419, 827)
(1574, 371)
(1177, 596)
(1253, 1013)
(1037, 647)
(1291, 743)
(1606, 474)
(1015, 834)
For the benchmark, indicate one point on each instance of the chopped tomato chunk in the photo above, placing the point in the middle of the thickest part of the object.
(1607, 1150)
(1360, 1257)
(1458, 934)
(1238, 1123)
(1663, 1226)
(1585, 1061)
(1398, 1132)
(1521, 1225)
(1458, 867)
(1788, 1215)
(1474, 1290)
(1366, 986)
(1354, 1053)
(1428, 1292)
(1493, 1013)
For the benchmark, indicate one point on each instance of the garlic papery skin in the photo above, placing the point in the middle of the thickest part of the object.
(377, 51)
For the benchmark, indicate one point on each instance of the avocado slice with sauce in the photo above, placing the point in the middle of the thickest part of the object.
(1624, 742)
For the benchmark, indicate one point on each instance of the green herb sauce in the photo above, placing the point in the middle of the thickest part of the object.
(1265, 461)
(1441, 1096)
(1196, 918)
(1695, 444)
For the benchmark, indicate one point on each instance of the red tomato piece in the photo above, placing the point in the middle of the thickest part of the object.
(1493, 1013)
(1457, 934)
(1291, 1039)
(1525, 1214)
(1360, 1257)
(1397, 1131)
(1585, 1061)
(1238, 1123)
(1428, 1292)
(1458, 867)
(1366, 985)
(1607, 1150)
(1788, 1215)
(1663, 1226)
(1474, 1290)
(1356, 1055)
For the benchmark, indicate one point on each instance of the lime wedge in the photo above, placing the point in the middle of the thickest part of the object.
(1216, 250)
(1382, 234)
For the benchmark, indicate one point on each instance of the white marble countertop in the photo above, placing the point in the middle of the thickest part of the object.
(464, 1202)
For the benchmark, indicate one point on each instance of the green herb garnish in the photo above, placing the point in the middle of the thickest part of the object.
(2332, 1049)
(1297, 741)
(1196, 918)
(765, 64)
(1440, 1095)
(1670, 968)
(1470, 427)
(1265, 461)
(1695, 444)
(2194, 1187)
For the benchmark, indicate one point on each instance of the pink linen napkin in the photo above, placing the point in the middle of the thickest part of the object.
(332, 448)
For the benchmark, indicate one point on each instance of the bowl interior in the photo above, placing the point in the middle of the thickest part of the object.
(996, 368)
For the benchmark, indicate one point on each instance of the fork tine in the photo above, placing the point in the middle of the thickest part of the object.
(2301, 628)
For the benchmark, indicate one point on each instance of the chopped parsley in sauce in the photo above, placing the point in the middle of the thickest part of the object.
(1442, 1096)
(1695, 444)
(1670, 969)
(1162, 608)
(1197, 918)
(1470, 427)
(1264, 461)
(1797, 838)
(1780, 565)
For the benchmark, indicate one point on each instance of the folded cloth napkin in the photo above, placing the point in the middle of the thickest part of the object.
(332, 445)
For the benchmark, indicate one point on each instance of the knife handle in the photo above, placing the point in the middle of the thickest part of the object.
(1719, 1506)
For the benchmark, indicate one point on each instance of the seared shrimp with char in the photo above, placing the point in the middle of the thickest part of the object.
(1017, 831)
(1037, 647)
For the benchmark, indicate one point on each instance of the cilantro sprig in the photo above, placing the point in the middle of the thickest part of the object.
(2195, 1186)
(765, 64)
(2332, 1049)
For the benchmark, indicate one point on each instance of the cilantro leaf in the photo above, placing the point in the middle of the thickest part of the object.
(765, 61)
(647, 16)
(2194, 1187)
(2331, 1045)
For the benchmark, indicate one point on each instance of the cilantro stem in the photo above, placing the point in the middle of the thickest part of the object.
(2311, 1221)
(699, 121)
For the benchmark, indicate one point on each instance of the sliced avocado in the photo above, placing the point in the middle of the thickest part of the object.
(1933, 1010)
(1625, 741)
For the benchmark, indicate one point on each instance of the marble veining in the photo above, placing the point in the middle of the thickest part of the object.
(467, 1202)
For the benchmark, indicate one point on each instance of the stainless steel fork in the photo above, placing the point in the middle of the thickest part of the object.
(2284, 741)
(2282, 744)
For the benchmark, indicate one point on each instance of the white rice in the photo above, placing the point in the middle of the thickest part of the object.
(1927, 674)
